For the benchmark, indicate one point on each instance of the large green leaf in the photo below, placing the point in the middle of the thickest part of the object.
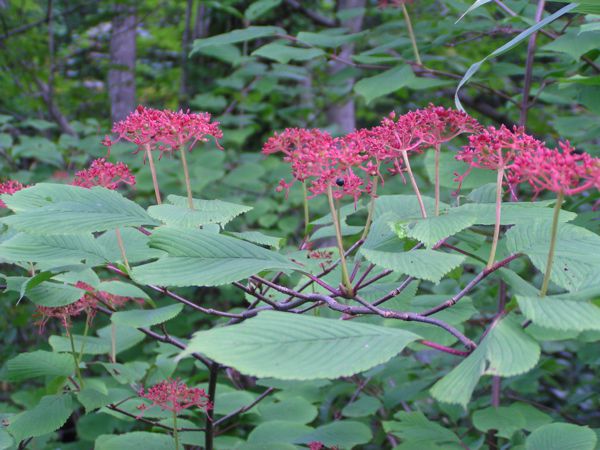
(285, 53)
(135, 243)
(512, 212)
(561, 436)
(134, 441)
(295, 347)
(560, 313)
(235, 36)
(202, 258)
(435, 228)
(205, 212)
(48, 415)
(54, 294)
(576, 256)
(146, 317)
(506, 351)
(429, 265)
(510, 44)
(506, 420)
(86, 210)
(416, 429)
(384, 83)
(39, 364)
(340, 433)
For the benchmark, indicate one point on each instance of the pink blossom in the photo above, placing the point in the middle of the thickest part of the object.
(557, 170)
(106, 174)
(9, 187)
(87, 303)
(166, 130)
(439, 124)
(175, 396)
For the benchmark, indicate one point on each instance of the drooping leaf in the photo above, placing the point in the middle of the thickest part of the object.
(429, 265)
(561, 436)
(48, 415)
(576, 256)
(87, 210)
(506, 351)
(294, 347)
(202, 258)
(146, 317)
(39, 364)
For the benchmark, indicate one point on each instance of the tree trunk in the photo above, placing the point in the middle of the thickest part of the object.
(184, 91)
(342, 113)
(121, 76)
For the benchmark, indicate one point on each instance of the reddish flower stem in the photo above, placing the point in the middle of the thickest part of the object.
(414, 184)
(499, 180)
(153, 172)
(338, 234)
(186, 174)
(445, 349)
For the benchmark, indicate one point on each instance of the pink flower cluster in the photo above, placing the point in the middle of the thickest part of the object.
(527, 159)
(347, 164)
(174, 395)
(104, 173)
(9, 187)
(86, 304)
(164, 130)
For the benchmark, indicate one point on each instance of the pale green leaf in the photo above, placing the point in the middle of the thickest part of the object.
(116, 287)
(561, 436)
(259, 8)
(235, 36)
(433, 229)
(54, 294)
(475, 5)
(560, 313)
(512, 213)
(48, 415)
(363, 407)
(293, 347)
(429, 265)
(283, 54)
(39, 364)
(269, 434)
(292, 409)
(328, 38)
(146, 317)
(91, 345)
(135, 440)
(415, 428)
(340, 433)
(384, 83)
(256, 237)
(202, 258)
(135, 243)
(504, 419)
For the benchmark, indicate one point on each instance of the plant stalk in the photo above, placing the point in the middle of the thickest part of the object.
(411, 34)
(437, 180)
(186, 174)
(122, 248)
(153, 172)
(338, 234)
(414, 184)
(499, 180)
(75, 360)
(175, 432)
(559, 201)
(306, 215)
(371, 209)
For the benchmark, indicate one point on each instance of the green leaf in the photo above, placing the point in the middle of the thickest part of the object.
(39, 364)
(7, 442)
(87, 210)
(292, 409)
(293, 347)
(204, 212)
(510, 44)
(574, 44)
(202, 258)
(256, 237)
(259, 8)
(384, 83)
(340, 433)
(512, 213)
(475, 5)
(48, 415)
(235, 36)
(146, 317)
(429, 265)
(363, 407)
(449, 167)
(116, 287)
(415, 428)
(283, 54)
(135, 243)
(66, 248)
(91, 345)
(561, 436)
(134, 441)
(576, 256)
(506, 351)
(53, 294)
(504, 419)
(435, 228)
(277, 432)
(328, 38)
(560, 313)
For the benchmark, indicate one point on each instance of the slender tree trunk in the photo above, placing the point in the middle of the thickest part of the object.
(342, 114)
(201, 22)
(184, 91)
(121, 76)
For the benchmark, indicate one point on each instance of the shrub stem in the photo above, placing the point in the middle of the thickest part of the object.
(499, 180)
(559, 201)
(338, 234)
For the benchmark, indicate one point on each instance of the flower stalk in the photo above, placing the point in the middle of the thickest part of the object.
(338, 234)
(499, 181)
(306, 212)
(554, 232)
(153, 172)
(437, 180)
(371, 209)
(413, 181)
(411, 34)
(186, 174)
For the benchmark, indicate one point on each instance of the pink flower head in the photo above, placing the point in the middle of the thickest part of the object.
(326, 162)
(395, 135)
(9, 187)
(497, 148)
(439, 124)
(557, 170)
(175, 396)
(87, 303)
(106, 174)
(166, 130)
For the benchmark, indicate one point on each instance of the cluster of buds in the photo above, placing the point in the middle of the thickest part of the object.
(525, 159)
(164, 130)
(9, 187)
(349, 163)
(174, 395)
(104, 173)
(86, 304)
